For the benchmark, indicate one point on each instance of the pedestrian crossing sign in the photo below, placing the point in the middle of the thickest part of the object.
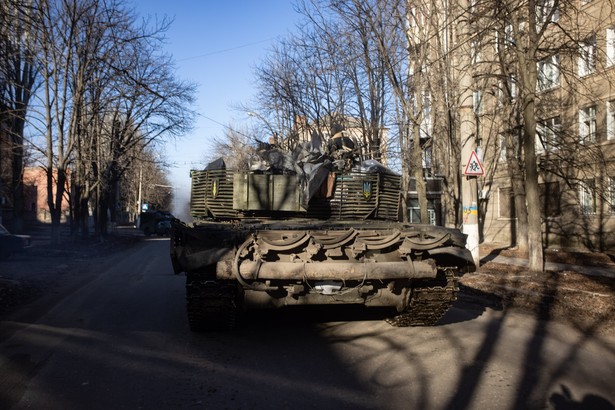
(474, 168)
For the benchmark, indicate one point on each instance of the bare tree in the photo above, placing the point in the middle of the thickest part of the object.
(345, 35)
(404, 37)
(537, 44)
(143, 104)
(294, 84)
(326, 78)
(402, 58)
(108, 93)
(18, 75)
(372, 60)
(237, 148)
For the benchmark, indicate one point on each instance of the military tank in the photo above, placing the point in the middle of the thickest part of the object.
(312, 227)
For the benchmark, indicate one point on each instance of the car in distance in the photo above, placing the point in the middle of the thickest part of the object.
(11, 244)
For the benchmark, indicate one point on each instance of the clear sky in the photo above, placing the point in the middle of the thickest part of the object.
(216, 45)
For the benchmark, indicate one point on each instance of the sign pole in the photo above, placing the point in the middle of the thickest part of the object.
(473, 169)
(467, 133)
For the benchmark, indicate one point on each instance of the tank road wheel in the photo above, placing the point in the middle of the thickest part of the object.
(429, 301)
(210, 305)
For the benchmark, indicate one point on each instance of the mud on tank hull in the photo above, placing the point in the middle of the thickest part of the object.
(230, 266)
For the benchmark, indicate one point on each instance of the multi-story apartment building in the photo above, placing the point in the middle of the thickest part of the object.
(575, 133)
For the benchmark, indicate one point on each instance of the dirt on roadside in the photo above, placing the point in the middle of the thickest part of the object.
(36, 271)
(585, 302)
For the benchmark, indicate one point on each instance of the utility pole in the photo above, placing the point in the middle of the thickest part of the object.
(467, 132)
(139, 199)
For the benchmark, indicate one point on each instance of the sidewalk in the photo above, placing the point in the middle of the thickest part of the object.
(40, 234)
(552, 266)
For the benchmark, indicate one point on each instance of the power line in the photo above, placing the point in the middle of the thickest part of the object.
(224, 125)
(226, 50)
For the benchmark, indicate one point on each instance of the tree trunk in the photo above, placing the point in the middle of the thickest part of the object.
(532, 195)
(515, 172)
(54, 201)
(532, 192)
(417, 165)
(528, 76)
(17, 164)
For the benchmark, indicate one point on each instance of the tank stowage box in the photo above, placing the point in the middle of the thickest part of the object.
(324, 231)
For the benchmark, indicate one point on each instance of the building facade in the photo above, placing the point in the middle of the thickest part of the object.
(35, 196)
(575, 129)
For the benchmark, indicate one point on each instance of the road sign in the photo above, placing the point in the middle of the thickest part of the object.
(474, 168)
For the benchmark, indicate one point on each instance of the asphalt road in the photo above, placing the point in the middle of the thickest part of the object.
(117, 338)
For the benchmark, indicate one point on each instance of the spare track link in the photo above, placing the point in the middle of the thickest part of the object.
(210, 305)
(428, 303)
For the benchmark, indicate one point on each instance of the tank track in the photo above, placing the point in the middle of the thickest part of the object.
(428, 303)
(210, 305)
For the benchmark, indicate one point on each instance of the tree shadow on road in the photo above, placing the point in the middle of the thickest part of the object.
(535, 382)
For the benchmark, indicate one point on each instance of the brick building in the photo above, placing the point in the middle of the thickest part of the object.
(35, 195)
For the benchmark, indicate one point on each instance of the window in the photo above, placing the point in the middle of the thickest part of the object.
(502, 148)
(477, 102)
(587, 56)
(512, 86)
(543, 10)
(509, 35)
(507, 89)
(426, 127)
(610, 46)
(548, 73)
(587, 125)
(426, 157)
(416, 24)
(547, 132)
(610, 120)
(414, 212)
(587, 196)
(476, 56)
(506, 203)
(611, 197)
(505, 40)
(550, 199)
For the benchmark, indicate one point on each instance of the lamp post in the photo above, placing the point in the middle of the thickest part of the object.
(139, 198)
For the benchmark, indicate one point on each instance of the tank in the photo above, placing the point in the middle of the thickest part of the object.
(311, 227)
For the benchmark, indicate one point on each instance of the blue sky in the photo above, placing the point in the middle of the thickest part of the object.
(216, 45)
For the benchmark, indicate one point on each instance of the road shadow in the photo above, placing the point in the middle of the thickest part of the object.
(493, 253)
(471, 303)
(566, 401)
(534, 390)
(299, 316)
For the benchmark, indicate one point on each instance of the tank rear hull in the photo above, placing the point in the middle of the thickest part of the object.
(245, 264)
